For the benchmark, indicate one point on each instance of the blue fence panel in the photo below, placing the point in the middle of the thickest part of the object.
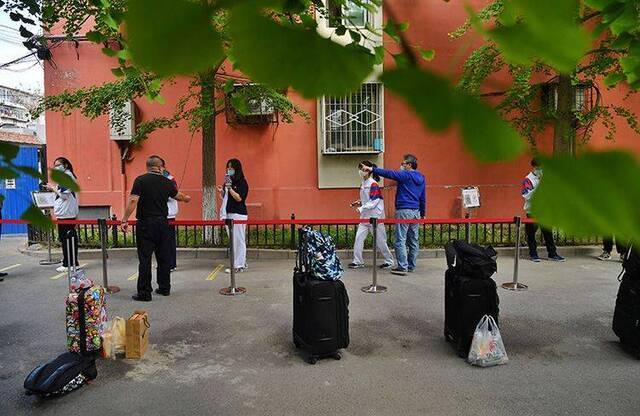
(18, 199)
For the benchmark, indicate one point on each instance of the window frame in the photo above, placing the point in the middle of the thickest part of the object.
(322, 120)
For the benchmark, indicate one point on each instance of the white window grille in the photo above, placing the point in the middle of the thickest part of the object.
(349, 14)
(354, 123)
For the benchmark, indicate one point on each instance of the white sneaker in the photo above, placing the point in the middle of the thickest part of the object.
(238, 270)
(62, 269)
(604, 256)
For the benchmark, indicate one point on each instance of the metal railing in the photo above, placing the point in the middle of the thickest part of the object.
(281, 234)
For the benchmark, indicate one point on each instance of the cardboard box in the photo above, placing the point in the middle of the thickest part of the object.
(137, 334)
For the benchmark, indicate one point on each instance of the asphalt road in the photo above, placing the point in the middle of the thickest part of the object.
(216, 355)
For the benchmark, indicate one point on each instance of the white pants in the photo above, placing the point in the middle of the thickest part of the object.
(239, 241)
(361, 235)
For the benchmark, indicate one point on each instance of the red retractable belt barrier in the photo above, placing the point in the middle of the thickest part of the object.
(329, 221)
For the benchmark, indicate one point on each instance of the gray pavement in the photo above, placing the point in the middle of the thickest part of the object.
(215, 355)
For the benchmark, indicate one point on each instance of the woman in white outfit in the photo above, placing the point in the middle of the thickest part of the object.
(370, 205)
(234, 196)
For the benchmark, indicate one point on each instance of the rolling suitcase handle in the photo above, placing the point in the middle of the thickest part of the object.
(71, 258)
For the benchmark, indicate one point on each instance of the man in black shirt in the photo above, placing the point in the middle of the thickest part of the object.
(149, 196)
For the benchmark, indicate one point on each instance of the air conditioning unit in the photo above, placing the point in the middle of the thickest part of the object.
(122, 128)
(260, 109)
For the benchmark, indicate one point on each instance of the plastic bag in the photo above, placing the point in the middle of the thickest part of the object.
(114, 338)
(487, 348)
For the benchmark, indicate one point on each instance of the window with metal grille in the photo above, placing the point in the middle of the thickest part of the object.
(354, 123)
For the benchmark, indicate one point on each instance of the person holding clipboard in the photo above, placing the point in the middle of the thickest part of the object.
(65, 207)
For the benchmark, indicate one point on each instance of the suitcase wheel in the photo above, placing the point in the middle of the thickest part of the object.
(312, 359)
(337, 356)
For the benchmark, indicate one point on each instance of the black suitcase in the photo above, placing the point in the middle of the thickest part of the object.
(626, 317)
(467, 300)
(320, 314)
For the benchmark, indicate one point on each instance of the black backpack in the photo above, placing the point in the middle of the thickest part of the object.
(67, 373)
(471, 260)
(631, 265)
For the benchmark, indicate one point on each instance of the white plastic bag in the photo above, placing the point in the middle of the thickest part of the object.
(487, 348)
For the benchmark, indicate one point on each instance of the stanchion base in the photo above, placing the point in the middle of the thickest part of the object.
(113, 289)
(514, 286)
(50, 262)
(231, 291)
(374, 289)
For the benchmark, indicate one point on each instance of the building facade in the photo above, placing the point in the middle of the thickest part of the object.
(306, 168)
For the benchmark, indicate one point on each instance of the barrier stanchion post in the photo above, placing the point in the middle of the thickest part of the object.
(467, 229)
(293, 232)
(514, 285)
(102, 227)
(49, 261)
(232, 290)
(374, 287)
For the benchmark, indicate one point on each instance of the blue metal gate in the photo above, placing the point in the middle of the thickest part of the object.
(18, 194)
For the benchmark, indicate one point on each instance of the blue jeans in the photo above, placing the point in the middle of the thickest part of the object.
(407, 237)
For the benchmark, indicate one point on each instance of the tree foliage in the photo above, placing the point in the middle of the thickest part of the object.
(277, 44)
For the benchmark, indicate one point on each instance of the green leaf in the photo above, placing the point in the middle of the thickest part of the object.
(172, 36)
(627, 20)
(229, 86)
(64, 180)
(123, 54)
(36, 217)
(239, 104)
(286, 56)
(485, 133)
(612, 79)
(29, 171)
(401, 60)
(427, 54)
(438, 104)
(379, 55)
(117, 72)
(8, 151)
(592, 194)
(622, 42)
(555, 38)
(7, 173)
(599, 4)
(391, 29)
(109, 52)
(340, 30)
(355, 36)
(95, 37)
(430, 96)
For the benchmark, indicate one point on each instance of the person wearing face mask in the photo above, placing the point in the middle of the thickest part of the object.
(370, 205)
(234, 197)
(172, 208)
(149, 196)
(410, 204)
(65, 208)
(529, 185)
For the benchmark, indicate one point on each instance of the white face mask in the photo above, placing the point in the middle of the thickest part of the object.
(402, 167)
(60, 168)
(362, 174)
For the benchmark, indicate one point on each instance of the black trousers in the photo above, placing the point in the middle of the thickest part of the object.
(153, 237)
(174, 255)
(547, 234)
(66, 232)
(607, 243)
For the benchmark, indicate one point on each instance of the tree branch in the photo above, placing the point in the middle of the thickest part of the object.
(406, 48)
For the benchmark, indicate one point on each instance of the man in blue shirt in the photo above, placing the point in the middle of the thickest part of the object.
(410, 204)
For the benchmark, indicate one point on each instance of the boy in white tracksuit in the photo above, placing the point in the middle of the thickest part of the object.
(370, 205)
